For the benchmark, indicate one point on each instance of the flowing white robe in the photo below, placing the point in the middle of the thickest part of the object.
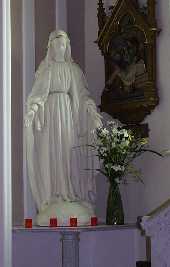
(64, 119)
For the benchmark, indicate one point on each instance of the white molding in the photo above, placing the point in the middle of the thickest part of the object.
(5, 136)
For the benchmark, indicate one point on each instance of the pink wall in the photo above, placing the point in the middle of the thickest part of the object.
(94, 69)
(45, 22)
(138, 199)
(157, 171)
(17, 111)
(141, 199)
(61, 14)
(76, 29)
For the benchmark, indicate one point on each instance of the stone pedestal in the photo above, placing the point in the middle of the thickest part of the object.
(70, 249)
(97, 246)
(157, 227)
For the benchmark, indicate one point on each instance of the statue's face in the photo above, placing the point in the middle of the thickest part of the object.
(59, 46)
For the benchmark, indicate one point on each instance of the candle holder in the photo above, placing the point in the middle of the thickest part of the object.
(73, 222)
(28, 223)
(53, 222)
(94, 221)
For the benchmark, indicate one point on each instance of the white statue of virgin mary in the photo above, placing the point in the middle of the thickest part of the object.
(59, 122)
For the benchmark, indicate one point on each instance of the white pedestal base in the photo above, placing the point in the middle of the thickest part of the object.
(63, 211)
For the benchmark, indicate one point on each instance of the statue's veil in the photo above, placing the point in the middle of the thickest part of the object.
(41, 85)
(53, 36)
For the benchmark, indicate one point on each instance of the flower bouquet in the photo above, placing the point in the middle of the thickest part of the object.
(116, 148)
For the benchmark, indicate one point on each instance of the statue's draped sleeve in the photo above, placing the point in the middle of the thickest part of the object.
(84, 108)
(86, 119)
(39, 93)
(36, 101)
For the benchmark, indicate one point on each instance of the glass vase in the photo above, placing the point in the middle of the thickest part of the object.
(114, 214)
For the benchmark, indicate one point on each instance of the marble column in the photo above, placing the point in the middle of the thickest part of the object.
(157, 226)
(70, 249)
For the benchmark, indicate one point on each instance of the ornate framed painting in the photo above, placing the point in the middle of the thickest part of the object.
(127, 40)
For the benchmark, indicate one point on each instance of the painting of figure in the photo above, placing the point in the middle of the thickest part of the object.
(127, 73)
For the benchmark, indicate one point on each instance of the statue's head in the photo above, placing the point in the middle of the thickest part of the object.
(59, 45)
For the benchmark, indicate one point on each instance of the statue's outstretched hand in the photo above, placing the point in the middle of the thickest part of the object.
(29, 118)
(98, 120)
(95, 115)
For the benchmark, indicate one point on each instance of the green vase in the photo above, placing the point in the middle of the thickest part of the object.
(114, 214)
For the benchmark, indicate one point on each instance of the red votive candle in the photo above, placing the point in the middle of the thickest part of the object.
(53, 222)
(28, 223)
(94, 221)
(73, 222)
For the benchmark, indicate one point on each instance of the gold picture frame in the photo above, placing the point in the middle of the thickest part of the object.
(127, 40)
